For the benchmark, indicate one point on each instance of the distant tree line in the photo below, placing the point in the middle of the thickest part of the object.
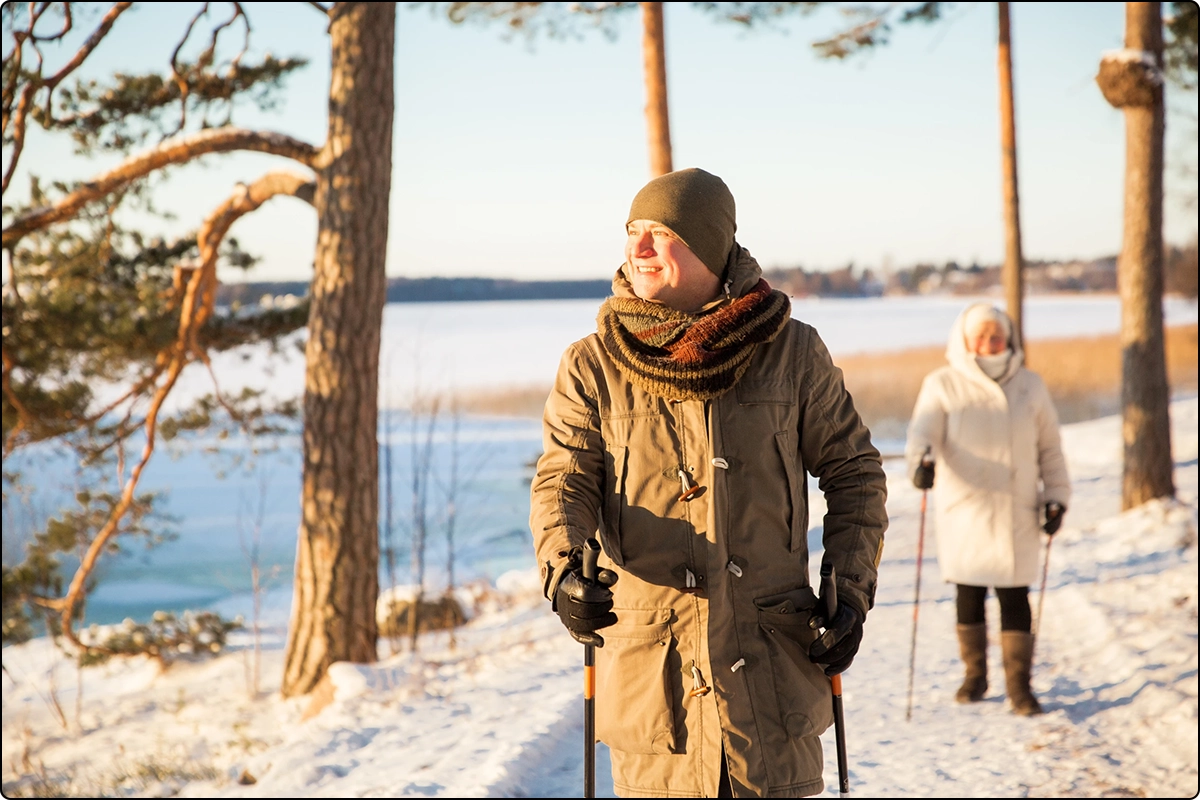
(1080, 275)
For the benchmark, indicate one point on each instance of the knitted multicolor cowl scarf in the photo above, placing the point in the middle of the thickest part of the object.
(686, 356)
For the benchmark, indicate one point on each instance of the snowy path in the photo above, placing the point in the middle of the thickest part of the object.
(501, 715)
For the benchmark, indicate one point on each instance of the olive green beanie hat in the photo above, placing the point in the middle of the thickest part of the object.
(697, 206)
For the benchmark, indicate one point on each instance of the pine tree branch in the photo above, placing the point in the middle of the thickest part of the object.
(68, 604)
(196, 308)
(89, 45)
(206, 57)
(18, 406)
(860, 36)
(243, 201)
(209, 240)
(36, 84)
(66, 28)
(18, 135)
(175, 151)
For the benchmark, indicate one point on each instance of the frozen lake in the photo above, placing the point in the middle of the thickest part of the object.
(468, 346)
(427, 347)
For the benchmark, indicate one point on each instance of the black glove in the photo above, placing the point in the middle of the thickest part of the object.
(584, 606)
(923, 477)
(1054, 517)
(836, 647)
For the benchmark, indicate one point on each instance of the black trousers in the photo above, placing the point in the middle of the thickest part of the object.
(1014, 607)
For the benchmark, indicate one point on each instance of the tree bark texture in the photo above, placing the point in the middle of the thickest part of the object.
(1014, 263)
(1145, 395)
(654, 61)
(337, 557)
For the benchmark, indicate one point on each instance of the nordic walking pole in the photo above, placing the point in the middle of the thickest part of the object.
(829, 595)
(1042, 592)
(591, 554)
(912, 655)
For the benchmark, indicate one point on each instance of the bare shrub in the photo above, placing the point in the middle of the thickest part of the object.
(442, 614)
(165, 638)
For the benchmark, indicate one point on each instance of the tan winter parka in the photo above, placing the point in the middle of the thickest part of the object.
(713, 598)
(998, 461)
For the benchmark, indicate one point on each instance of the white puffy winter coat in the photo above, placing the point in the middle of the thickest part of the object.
(998, 461)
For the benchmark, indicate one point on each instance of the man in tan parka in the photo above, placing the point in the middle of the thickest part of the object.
(683, 431)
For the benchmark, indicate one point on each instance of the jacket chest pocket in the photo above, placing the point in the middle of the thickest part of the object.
(634, 696)
(797, 491)
(773, 486)
(617, 458)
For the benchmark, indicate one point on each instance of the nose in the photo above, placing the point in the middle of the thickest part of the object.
(643, 245)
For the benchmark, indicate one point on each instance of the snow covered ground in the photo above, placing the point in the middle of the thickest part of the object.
(501, 713)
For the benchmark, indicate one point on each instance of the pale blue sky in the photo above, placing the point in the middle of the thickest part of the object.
(519, 162)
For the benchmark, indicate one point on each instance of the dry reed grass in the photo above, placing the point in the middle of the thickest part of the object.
(507, 401)
(1083, 373)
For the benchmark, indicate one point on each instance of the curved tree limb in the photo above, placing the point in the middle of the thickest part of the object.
(89, 45)
(18, 137)
(174, 151)
(67, 22)
(67, 604)
(38, 83)
(199, 295)
(212, 232)
(178, 77)
(18, 406)
(205, 57)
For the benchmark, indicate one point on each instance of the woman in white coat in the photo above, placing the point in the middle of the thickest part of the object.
(988, 427)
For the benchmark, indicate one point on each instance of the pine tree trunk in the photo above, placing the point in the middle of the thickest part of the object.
(654, 60)
(1014, 285)
(337, 560)
(1145, 395)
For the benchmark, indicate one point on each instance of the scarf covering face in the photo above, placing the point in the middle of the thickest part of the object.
(994, 366)
(684, 356)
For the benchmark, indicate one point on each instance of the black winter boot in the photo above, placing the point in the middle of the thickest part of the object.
(1017, 650)
(972, 646)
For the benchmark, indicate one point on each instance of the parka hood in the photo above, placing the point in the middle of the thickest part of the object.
(963, 359)
(742, 274)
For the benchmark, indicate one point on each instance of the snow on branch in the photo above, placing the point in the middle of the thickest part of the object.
(1129, 78)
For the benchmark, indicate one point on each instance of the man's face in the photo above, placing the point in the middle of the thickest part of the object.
(987, 339)
(664, 269)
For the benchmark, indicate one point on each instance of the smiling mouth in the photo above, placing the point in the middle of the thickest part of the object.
(643, 270)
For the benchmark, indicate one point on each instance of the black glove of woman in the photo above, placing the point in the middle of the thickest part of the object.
(1054, 517)
(923, 477)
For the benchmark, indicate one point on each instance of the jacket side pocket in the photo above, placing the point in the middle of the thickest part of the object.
(614, 498)
(802, 690)
(633, 697)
